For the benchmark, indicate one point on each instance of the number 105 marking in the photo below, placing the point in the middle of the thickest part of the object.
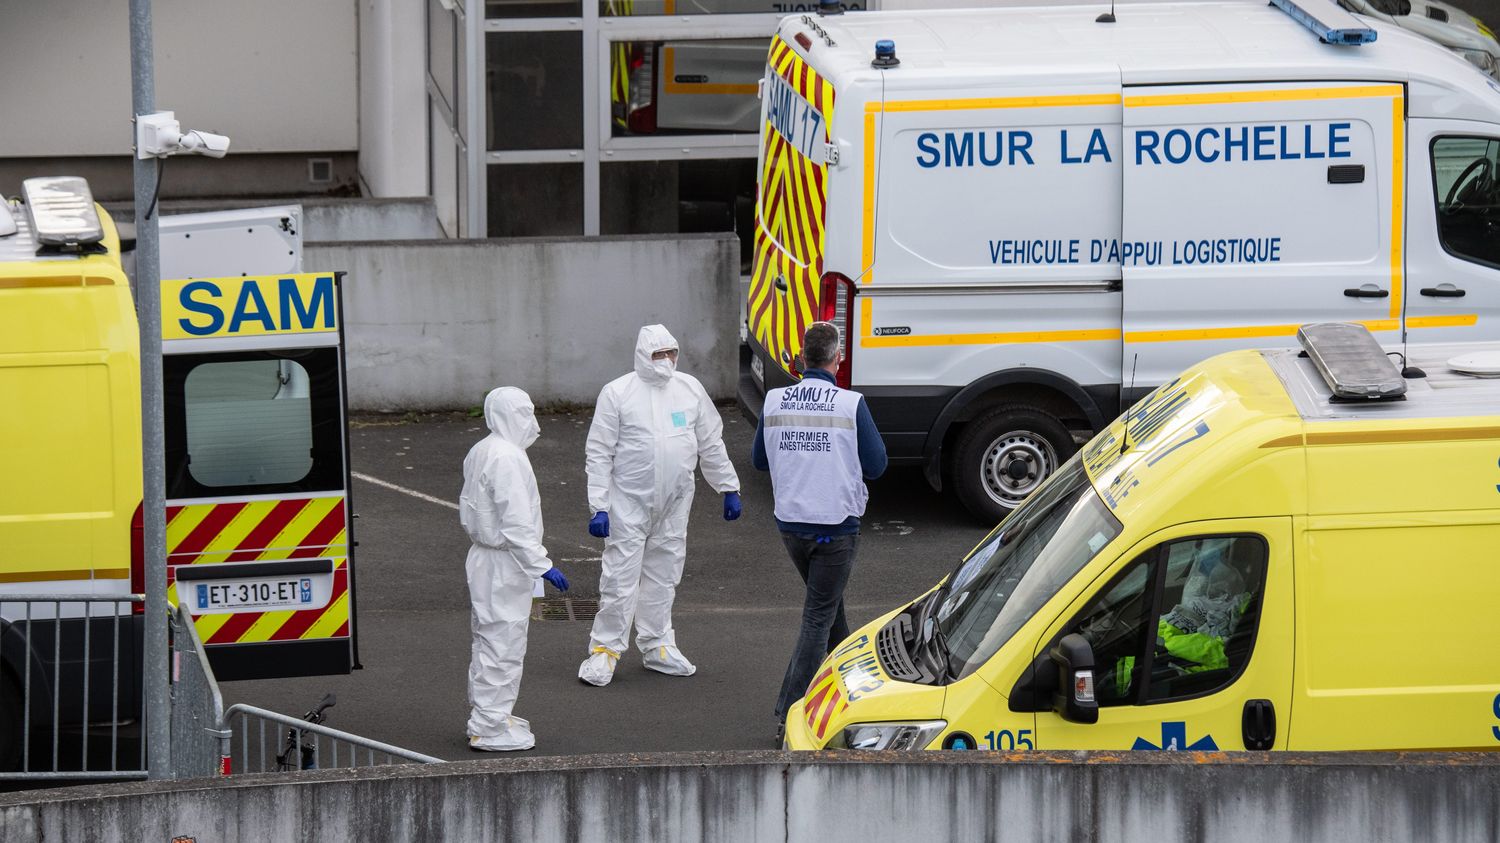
(1007, 741)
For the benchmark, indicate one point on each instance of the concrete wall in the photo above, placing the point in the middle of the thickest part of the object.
(437, 324)
(323, 219)
(747, 796)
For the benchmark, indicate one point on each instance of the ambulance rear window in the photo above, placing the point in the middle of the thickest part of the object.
(249, 422)
(252, 422)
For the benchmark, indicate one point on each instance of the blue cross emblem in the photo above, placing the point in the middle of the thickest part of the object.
(1174, 737)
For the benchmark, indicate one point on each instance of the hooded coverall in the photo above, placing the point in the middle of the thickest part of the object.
(651, 428)
(501, 511)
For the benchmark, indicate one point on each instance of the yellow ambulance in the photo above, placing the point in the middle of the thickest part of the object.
(257, 470)
(1274, 550)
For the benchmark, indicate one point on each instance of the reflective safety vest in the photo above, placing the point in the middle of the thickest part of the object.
(813, 448)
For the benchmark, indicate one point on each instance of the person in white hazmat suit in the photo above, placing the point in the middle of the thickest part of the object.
(502, 513)
(651, 429)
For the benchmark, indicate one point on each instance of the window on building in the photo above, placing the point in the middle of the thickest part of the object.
(534, 82)
(688, 86)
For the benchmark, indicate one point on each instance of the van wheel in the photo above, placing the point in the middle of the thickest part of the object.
(11, 728)
(1001, 458)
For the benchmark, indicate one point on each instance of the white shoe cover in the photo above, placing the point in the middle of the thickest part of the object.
(668, 660)
(598, 668)
(517, 736)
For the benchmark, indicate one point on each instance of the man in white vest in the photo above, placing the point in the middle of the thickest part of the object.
(820, 444)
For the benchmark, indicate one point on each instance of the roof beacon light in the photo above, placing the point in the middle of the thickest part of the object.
(61, 212)
(885, 54)
(830, 7)
(1330, 23)
(1351, 362)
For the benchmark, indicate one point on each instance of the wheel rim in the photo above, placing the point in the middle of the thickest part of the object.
(1014, 465)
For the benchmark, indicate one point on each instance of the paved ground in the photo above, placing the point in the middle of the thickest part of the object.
(737, 608)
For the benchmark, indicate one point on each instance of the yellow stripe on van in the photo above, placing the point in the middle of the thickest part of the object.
(1398, 195)
(1462, 320)
(265, 626)
(1243, 332)
(209, 624)
(236, 531)
(978, 103)
(867, 272)
(1387, 437)
(333, 618)
(1010, 338)
(672, 86)
(74, 574)
(1285, 95)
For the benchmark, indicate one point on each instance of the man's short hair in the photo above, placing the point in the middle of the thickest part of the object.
(820, 345)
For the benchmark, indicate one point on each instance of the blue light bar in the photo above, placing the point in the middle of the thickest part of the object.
(1349, 34)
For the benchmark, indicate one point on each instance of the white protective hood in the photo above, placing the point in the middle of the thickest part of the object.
(654, 338)
(510, 415)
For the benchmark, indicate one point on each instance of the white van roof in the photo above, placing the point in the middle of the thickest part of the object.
(1443, 391)
(1149, 43)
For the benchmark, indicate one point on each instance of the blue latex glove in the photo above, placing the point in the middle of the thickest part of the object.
(822, 539)
(599, 526)
(731, 505)
(557, 579)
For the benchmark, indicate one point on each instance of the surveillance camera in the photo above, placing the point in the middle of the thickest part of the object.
(196, 142)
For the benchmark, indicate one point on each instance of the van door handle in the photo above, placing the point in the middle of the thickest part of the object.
(1366, 292)
(1258, 723)
(781, 283)
(1443, 291)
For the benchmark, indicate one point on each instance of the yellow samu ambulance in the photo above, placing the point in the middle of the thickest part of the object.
(1275, 550)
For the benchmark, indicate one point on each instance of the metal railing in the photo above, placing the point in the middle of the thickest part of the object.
(197, 705)
(70, 690)
(293, 743)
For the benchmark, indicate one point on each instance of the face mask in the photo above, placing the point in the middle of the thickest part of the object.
(664, 367)
(531, 431)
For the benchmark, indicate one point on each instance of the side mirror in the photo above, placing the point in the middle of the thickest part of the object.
(1075, 680)
(1403, 7)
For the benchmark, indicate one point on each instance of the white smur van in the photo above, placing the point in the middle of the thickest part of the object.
(1026, 218)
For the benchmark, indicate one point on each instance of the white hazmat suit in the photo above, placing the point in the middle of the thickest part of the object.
(502, 513)
(651, 429)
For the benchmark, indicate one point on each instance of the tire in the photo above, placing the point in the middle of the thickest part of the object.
(11, 731)
(1000, 459)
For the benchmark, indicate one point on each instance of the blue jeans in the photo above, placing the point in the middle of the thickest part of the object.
(825, 568)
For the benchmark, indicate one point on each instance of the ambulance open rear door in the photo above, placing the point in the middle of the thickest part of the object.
(258, 521)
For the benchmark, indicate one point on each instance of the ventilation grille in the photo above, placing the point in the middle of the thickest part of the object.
(890, 648)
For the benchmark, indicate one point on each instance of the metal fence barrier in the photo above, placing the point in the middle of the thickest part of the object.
(70, 690)
(72, 703)
(281, 743)
(197, 705)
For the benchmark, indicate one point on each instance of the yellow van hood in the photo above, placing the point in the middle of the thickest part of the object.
(851, 687)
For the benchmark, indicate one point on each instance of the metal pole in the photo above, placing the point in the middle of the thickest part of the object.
(153, 440)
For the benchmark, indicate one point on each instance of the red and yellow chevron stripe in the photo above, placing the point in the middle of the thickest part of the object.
(790, 216)
(824, 700)
(264, 530)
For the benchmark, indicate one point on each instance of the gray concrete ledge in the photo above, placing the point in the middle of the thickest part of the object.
(824, 797)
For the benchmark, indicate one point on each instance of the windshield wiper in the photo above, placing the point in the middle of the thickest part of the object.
(939, 640)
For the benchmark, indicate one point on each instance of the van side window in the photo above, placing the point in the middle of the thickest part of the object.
(1116, 628)
(1466, 177)
(252, 422)
(1207, 615)
(1179, 622)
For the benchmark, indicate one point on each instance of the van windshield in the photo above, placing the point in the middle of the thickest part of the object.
(1020, 565)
